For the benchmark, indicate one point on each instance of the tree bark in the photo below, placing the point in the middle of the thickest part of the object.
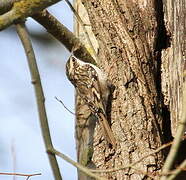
(133, 48)
(173, 59)
(173, 66)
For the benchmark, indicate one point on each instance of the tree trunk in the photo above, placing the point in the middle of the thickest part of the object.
(173, 58)
(129, 37)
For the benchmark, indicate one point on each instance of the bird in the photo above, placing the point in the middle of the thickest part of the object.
(92, 86)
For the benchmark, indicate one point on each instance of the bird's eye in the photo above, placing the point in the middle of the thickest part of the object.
(73, 59)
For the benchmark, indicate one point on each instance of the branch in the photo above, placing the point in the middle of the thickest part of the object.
(22, 9)
(65, 106)
(20, 174)
(177, 140)
(77, 165)
(177, 170)
(23, 35)
(138, 171)
(62, 34)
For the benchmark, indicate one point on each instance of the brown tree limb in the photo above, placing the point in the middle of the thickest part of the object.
(62, 34)
(36, 81)
(22, 9)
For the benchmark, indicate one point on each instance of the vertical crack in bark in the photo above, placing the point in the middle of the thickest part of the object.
(162, 42)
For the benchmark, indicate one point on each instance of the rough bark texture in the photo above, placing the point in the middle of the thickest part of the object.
(131, 36)
(173, 58)
(173, 65)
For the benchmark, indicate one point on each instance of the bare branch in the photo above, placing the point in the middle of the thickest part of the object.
(20, 174)
(66, 37)
(177, 170)
(77, 165)
(138, 171)
(22, 9)
(177, 140)
(64, 106)
(23, 34)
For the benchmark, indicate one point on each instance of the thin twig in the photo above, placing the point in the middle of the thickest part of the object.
(134, 163)
(177, 140)
(138, 171)
(64, 105)
(20, 174)
(177, 170)
(36, 81)
(83, 26)
(77, 165)
(62, 34)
